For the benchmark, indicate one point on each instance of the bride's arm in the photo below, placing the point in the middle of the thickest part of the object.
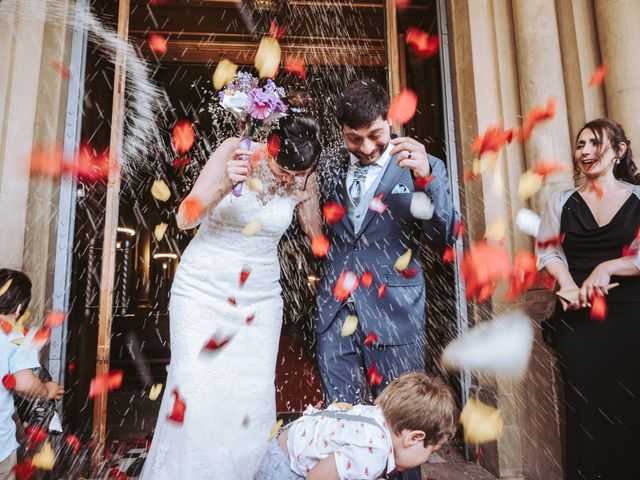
(309, 209)
(223, 170)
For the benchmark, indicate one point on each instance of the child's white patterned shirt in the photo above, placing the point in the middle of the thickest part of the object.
(362, 450)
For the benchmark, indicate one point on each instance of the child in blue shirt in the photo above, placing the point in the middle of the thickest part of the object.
(17, 361)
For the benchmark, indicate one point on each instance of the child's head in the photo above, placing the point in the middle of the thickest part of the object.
(421, 414)
(15, 300)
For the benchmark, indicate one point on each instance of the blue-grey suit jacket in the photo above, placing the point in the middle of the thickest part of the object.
(398, 317)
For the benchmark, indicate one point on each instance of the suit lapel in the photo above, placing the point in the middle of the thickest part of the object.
(389, 179)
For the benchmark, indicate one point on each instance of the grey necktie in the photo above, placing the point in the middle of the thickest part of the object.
(357, 187)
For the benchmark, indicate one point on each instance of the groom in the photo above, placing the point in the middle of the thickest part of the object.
(392, 308)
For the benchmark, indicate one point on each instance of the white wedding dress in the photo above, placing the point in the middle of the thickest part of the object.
(229, 392)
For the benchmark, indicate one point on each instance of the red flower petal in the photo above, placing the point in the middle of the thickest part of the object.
(423, 44)
(53, 319)
(250, 318)
(181, 162)
(345, 286)
(598, 75)
(550, 242)
(42, 335)
(598, 308)
(537, 115)
(403, 107)
(596, 187)
(409, 272)
(232, 301)
(73, 442)
(157, 44)
(183, 136)
(273, 145)
(9, 381)
(244, 275)
(402, 4)
(24, 470)
(382, 289)
(482, 266)
(366, 279)
(449, 255)
(548, 166)
(320, 245)
(7, 328)
(104, 383)
(35, 435)
(90, 165)
(296, 66)
(374, 375)
(179, 407)
(371, 339)
(422, 182)
(333, 212)
(216, 343)
(192, 208)
(492, 140)
(524, 274)
(276, 31)
(61, 69)
(377, 205)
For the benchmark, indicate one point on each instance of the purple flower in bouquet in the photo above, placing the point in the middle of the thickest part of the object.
(263, 105)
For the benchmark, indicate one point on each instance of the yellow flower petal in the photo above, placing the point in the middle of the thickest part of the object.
(275, 429)
(495, 231)
(160, 190)
(403, 261)
(252, 228)
(349, 326)
(154, 393)
(343, 405)
(19, 326)
(529, 184)
(158, 232)
(481, 422)
(6, 286)
(267, 60)
(45, 459)
(255, 184)
(224, 74)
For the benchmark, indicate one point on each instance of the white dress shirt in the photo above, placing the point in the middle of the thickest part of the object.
(372, 172)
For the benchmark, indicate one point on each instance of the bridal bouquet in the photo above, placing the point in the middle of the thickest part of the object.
(252, 105)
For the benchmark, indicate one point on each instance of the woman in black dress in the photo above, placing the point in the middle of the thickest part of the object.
(599, 357)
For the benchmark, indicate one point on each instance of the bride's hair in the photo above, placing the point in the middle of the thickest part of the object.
(299, 138)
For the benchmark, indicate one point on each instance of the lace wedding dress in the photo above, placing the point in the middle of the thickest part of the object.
(229, 392)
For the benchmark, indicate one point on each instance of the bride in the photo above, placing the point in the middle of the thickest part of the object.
(226, 307)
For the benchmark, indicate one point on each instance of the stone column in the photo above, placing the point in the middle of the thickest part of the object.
(21, 57)
(540, 76)
(580, 58)
(618, 29)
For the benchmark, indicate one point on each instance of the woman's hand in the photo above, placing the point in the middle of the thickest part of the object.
(237, 167)
(566, 305)
(596, 283)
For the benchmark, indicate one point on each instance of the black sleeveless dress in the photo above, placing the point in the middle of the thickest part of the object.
(600, 360)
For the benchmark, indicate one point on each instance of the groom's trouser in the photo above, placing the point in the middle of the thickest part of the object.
(344, 362)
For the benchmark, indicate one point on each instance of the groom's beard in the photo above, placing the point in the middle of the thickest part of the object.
(370, 159)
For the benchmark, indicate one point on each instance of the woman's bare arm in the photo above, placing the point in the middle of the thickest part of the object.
(223, 169)
(309, 210)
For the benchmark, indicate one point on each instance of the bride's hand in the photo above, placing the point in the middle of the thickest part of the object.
(237, 167)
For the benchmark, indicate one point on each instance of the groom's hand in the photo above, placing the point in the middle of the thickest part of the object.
(411, 154)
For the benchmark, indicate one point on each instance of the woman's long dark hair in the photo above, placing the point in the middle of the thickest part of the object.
(625, 169)
(299, 139)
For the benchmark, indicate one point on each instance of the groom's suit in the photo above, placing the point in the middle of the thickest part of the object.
(398, 316)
